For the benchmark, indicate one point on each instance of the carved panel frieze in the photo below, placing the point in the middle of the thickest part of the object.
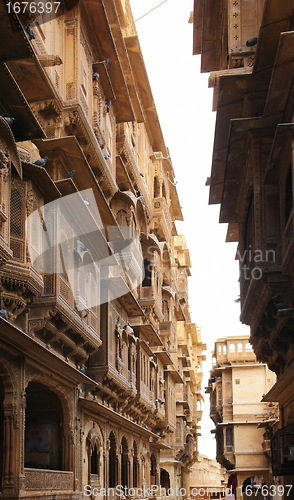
(48, 480)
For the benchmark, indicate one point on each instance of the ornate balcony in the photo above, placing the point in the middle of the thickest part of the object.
(163, 225)
(150, 299)
(55, 322)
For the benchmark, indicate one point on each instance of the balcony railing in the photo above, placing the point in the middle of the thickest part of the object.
(39, 479)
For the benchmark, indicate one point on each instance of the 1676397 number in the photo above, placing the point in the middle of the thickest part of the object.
(33, 7)
(265, 490)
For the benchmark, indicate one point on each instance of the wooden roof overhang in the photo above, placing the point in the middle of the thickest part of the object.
(148, 331)
(14, 104)
(232, 89)
(84, 176)
(277, 18)
(276, 104)
(210, 22)
(145, 93)
(14, 44)
(96, 14)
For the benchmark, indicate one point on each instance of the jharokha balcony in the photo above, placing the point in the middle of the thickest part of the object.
(55, 322)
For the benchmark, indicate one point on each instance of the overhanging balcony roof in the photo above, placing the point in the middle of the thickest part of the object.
(115, 23)
(277, 18)
(84, 176)
(43, 181)
(208, 26)
(14, 44)
(106, 413)
(98, 21)
(116, 287)
(283, 388)
(32, 79)
(101, 69)
(275, 107)
(7, 144)
(232, 89)
(163, 355)
(148, 331)
(41, 355)
(236, 156)
(175, 374)
(14, 104)
(148, 105)
(274, 48)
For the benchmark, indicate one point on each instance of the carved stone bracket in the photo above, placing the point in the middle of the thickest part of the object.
(47, 61)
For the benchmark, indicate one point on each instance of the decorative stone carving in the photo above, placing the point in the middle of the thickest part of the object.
(48, 480)
(4, 160)
(47, 61)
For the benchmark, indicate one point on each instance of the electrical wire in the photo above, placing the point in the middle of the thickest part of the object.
(146, 13)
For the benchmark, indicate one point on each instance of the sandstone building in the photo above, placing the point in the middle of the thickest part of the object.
(207, 479)
(98, 388)
(236, 385)
(247, 47)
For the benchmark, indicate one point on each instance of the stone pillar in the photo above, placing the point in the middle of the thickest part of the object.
(106, 464)
(9, 453)
(158, 473)
(118, 472)
(131, 470)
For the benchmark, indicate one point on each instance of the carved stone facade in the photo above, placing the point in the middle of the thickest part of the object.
(252, 179)
(97, 389)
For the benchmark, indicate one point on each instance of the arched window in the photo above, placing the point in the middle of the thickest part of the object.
(43, 431)
(219, 349)
(229, 436)
(122, 218)
(165, 310)
(225, 349)
(248, 347)
(164, 479)
(93, 443)
(156, 188)
(112, 461)
(240, 347)
(147, 273)
(135, 466)
(153, 470)
(124, 463)
(95, 461)
(232, 348)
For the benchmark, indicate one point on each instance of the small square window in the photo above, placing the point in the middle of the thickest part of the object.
(237, 381)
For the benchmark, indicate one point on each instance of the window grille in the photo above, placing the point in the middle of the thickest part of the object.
(17, 224)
